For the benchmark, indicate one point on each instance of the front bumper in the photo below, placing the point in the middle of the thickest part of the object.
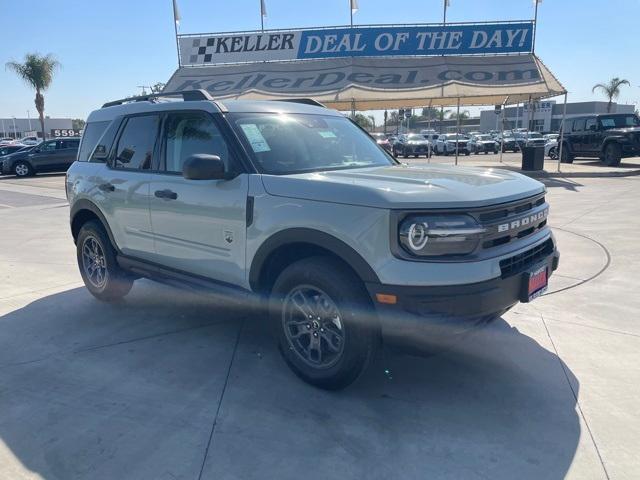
(486, 147)
(426, 317)
(416, 149)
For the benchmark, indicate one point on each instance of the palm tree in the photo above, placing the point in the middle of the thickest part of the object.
(611, 89)
(464, 114)
(37, 71)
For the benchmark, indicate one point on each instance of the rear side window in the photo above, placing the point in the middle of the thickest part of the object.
(90, 136)
(578, 125)
(591, 124)
(136, 143)
(68, 144)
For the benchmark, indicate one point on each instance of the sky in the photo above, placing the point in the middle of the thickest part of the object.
(108, 48)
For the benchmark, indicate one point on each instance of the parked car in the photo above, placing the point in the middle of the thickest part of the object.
(551, 149)
(529, 139)
(483, 143)
(509, 144)
(609, 137)
(338, 242)
(550, 137)
(446, 144)
(29, 141)
(412, 144)
(50, 156)
(7, 141)
(382, 140)
(20, 154)
(9, 149)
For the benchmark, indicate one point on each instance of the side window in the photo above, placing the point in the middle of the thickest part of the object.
(188, 133)
(591, 124)
(62, 144)
(90, 136)
(578, 125)
(136, 143)
(48, 146)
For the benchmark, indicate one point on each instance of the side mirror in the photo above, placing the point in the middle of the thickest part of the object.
(202, 166)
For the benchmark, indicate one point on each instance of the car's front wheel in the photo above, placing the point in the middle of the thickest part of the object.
(612, 155)
(99, 268)
(322, 319)
(23, 169)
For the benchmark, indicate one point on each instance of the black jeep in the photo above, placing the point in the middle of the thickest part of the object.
(609, 137)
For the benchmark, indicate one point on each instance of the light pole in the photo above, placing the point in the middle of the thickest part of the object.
(15, 130)
(29, 117)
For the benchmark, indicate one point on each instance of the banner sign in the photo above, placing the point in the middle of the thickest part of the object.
(382, 41)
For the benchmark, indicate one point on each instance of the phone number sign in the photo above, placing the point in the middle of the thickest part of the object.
(65, 132)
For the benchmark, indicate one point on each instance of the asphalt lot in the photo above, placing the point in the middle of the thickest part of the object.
(168, 385)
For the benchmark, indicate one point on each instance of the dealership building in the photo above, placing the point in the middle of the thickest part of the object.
(21, 127)
(544, 116)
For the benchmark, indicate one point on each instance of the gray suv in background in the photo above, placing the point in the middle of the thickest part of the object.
(295, 206)
(49, 156)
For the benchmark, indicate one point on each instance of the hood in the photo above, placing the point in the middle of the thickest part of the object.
(400, 186)
(622, 131)
(16, 156)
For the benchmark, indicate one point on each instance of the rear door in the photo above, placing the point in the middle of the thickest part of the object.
(66, 153)
(124, 184)
(199, 226)
(578, 136)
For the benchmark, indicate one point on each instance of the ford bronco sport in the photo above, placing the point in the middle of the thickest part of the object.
(294, 205)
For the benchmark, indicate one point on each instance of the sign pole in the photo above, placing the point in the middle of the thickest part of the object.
(457, 129)
(535, 26)
(176, 21)
(564, 115)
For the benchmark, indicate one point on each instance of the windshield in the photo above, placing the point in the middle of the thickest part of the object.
(619, 121)
(483, 137)
(295, 143)
(534, 135)
(415, 137)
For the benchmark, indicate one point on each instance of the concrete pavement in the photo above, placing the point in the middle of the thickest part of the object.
(167, 384)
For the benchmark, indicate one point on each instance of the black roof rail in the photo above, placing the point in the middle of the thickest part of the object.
(304, 101)
(187, 96)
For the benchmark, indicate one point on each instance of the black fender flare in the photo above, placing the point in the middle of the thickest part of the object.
(316, 238)
(87, 205)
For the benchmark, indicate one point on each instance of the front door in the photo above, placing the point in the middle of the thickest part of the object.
(591, 144)
(45, 156)
(199, 226)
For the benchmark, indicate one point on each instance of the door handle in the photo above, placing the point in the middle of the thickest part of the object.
(107, 187)
(166, 194)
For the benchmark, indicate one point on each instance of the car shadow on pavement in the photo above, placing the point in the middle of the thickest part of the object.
(167, 384)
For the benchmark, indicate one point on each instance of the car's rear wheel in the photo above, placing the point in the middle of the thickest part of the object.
(322, 319)
(612, 155)
(566, 156)
(553, 153)
(98, 265)
(23, 169)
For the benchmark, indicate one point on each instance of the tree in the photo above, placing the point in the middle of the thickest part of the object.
(363, 121)
(158, 87)
(611, 89)
(442, 114)
(77, 124)
(37, 71)
(464, 114)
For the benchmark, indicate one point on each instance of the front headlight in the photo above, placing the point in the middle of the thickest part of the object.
(439, 234)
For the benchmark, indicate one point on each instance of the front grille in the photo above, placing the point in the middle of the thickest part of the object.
(521, 262)
(511, 214)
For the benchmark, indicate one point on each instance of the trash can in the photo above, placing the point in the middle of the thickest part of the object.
(533, 158)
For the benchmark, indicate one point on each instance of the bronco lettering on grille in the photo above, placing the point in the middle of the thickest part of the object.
(524, 221)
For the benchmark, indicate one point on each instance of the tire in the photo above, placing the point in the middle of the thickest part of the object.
(553, 154)
(467, 153)
(100, 271)
(298, 292)
(23, 169)
(612, 155)
(566, 156)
